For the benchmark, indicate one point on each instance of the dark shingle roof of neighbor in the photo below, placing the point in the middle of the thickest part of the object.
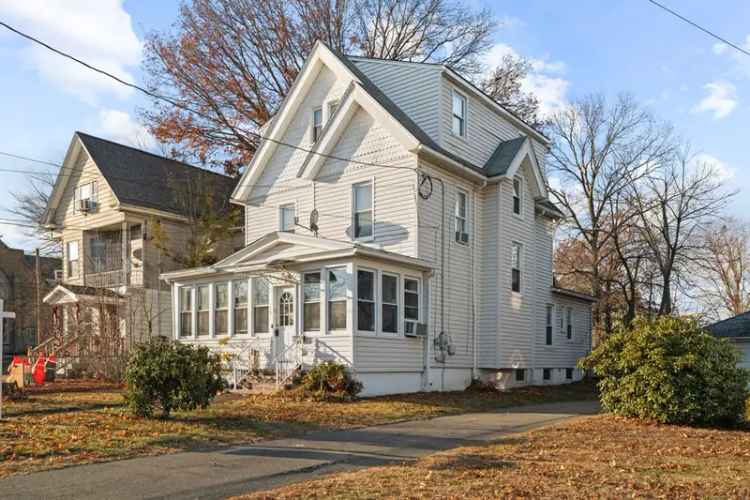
(503, 156)
(734, 327)
(148, 180)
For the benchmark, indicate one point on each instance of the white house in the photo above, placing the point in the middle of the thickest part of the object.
(430, 262)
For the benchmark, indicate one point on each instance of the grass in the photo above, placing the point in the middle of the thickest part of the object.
(79, 423)
(602, 457)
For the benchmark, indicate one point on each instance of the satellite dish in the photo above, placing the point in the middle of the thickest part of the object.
(314, 221)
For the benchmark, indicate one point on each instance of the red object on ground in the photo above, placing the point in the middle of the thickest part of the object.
(20, 360)
(40, 368)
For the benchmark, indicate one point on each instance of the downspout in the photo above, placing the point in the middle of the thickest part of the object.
(474, 365)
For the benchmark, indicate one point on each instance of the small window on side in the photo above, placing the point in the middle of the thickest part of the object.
(461, 217)
(362, 210)
(287, 217)
(317, 124)
(517, 196)
(548, 322)
(569, 323)
(547, 374)
(459, 115)
(332, 107)
(515, 284)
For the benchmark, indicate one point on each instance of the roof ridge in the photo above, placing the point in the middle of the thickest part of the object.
(729, 318)
(161, 157)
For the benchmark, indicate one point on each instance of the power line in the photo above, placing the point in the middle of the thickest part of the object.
(698, 26)
(26, 158)
(180, 105)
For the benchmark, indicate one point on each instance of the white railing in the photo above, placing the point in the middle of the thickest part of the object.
(331, 354)
(243, 363)
(288, 361)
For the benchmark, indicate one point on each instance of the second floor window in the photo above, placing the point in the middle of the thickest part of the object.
(460, 211)
(85, 197)
(74, 259)
(459, 115)
(548, 329)
(317, 124)
(515, 281)
(517, 196)
(362, 212)
(286, 218)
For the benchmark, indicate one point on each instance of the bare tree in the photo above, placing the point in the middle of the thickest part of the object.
(29, 208)
(675, 204)
(599, 149)
(504, 85)
(234, 61)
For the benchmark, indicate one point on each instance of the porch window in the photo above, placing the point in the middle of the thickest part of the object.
(186, 312)
(460, 211)
(260, 306)
(221, 309)
(287, 217)
(363, 210)
(517, 196)
(74, 259)
(411, 305)
(389, 285)
(202, 298)
(459, 115)
(240, 307)
(548, 330)
(569, 323)
(337, 287)
(311, 295)
(515, 284)
(365, 300)
(317, 124)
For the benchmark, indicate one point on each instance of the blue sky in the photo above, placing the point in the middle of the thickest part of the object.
(576, 47)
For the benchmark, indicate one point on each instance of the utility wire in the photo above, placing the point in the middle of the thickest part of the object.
(180, 105)
(698, 26)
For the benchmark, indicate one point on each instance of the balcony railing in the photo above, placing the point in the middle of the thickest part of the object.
(115, 278)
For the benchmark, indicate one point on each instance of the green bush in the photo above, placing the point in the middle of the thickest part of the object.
(671, 371)
(330, 380)
(163, 375)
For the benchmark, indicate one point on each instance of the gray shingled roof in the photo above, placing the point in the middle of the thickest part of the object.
(503, 156)
(145, 179)
(735, 327)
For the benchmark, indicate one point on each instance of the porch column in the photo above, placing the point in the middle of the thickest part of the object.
(125, 257)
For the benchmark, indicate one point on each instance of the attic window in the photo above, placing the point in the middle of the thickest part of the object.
(459, 114)
(517, 196)
(85, 197)
(317, 124)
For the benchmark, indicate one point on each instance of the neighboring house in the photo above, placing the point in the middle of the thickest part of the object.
(104, 207)
(431, 260)
(737, 330)
(19, 294)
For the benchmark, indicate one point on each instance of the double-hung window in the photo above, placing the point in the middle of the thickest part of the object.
(569, 323)
(186, 312)
(548, 322)
(515, 282)
(389, 294)
(317, 124)
(260, 306)
(460, 211)
(202, 297)
(332, 107)
(459, 115)
(74, 259)
(337, 287)
(85, 197)
(221, 309)
(287, 215)
(517, 196)
(365, 300)
(411, 305)
(240, 307)
(362, 210)
(311, 293)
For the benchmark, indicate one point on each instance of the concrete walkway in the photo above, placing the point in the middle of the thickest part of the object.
(231, 471)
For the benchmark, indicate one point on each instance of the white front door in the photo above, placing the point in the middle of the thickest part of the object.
(285, 317)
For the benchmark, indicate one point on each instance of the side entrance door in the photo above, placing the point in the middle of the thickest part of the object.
(285, 316)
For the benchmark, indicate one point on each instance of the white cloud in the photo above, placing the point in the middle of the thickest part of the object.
(120, 127)
(721, 99)
(741, 62)
(544, 80)
(719, 48)
(723, 171)
(100, 33)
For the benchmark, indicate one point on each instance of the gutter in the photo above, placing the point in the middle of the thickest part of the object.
(422, 149)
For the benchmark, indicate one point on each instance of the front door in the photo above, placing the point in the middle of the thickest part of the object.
(285, 317)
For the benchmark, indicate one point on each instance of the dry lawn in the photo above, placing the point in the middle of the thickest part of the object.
(594, 457)
(85, 423)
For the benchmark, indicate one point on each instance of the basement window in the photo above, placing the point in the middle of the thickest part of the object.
(520, 375)
(547, 374)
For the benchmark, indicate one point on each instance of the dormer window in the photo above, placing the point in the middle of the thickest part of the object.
(317, 124)
(459, 114)
(332, 107)
(517, 196)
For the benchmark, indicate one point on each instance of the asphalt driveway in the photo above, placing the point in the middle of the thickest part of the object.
(229, 471)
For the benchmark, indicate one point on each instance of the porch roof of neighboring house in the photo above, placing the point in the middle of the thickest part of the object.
(281, 251)
(573, 294)
(66, 294)
(736, 327)
(137, 177)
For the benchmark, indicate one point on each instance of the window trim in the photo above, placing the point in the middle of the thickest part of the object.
(399, 307)
(304, 300)
(280, 219)
(354, 211)
(519, 180)
(315, 134)
(419, 300)
(374, 301)
(513, 245)
(464, 119)
(456, 217)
